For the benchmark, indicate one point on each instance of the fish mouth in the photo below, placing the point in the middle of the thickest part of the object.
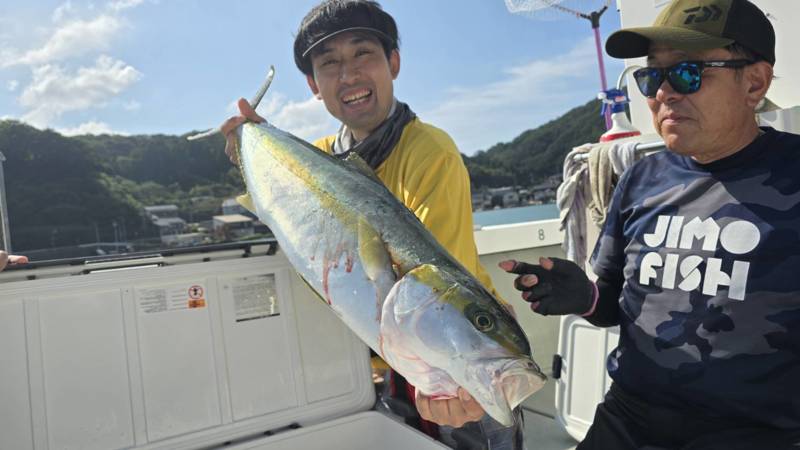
(505, 384)
(519, 380)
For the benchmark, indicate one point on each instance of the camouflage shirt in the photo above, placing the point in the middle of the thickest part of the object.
(710, 307)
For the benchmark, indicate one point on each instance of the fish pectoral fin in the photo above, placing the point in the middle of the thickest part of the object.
(373, 253)
(359, 164)
(247, 201)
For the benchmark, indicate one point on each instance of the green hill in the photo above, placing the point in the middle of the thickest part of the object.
(64, 191)
(538, 153)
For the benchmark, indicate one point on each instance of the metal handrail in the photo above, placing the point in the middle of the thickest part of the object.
(153, 257)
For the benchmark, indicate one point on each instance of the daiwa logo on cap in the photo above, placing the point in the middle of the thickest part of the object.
(702, 14)
(694, 25)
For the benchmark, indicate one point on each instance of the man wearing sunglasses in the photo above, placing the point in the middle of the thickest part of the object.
(698, 260)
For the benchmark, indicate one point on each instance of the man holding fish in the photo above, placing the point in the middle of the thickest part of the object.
(349, 52)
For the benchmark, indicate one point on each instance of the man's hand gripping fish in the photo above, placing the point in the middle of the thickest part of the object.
(369, 258)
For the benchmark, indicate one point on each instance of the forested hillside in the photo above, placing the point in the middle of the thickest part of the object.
(67, 191)
(538, 153)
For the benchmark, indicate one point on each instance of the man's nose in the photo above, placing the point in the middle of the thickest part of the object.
(666, 93)
(349, 71)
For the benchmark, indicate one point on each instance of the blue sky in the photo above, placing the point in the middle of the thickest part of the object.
(170, 66)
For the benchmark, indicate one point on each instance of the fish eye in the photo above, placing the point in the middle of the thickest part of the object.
(483, 321)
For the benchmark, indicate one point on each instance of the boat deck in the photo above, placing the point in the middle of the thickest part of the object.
(544, 433)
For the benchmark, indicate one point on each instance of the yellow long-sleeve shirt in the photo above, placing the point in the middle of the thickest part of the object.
(426, 173)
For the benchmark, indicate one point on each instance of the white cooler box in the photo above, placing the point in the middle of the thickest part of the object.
(583, 380)
(236, 353)
(361, 431)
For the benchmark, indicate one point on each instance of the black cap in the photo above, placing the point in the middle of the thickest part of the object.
(332, 17)
(700, 25)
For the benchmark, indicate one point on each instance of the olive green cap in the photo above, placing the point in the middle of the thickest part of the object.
(700, 25)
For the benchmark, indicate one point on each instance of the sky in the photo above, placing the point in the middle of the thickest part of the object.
(470, 67)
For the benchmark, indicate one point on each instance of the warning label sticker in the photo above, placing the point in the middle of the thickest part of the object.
(254, 297)
(171, 298)
(196, 292)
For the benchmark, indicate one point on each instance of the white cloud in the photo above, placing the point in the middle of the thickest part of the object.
(307, 119)
(12, 85)
(525, 97)
(74, 38)
(62, 11)
(132, 105)
(119, 5)
(8, 56)
(53, 91)
(91, 127)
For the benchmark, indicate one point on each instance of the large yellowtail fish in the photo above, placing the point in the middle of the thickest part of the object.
(388, 279)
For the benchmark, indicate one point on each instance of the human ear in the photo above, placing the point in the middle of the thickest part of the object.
(394, 63)
(759, 79)
(312, 84)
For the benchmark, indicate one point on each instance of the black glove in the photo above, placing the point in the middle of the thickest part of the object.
(564, 289)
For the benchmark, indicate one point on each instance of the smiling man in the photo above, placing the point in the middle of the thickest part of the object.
(348, 51)
(697, 261)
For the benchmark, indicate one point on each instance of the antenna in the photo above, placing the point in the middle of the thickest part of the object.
(536, 7)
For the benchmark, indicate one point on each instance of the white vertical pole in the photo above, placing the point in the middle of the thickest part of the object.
(6, 233)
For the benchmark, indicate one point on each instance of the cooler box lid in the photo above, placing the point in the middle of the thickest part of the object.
(184, 356)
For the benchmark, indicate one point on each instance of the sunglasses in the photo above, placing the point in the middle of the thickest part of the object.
(684, 77)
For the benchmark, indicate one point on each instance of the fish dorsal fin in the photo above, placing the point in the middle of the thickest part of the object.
(359, 164)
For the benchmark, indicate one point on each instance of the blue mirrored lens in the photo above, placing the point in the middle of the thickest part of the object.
(684, 77)
(649, 79)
